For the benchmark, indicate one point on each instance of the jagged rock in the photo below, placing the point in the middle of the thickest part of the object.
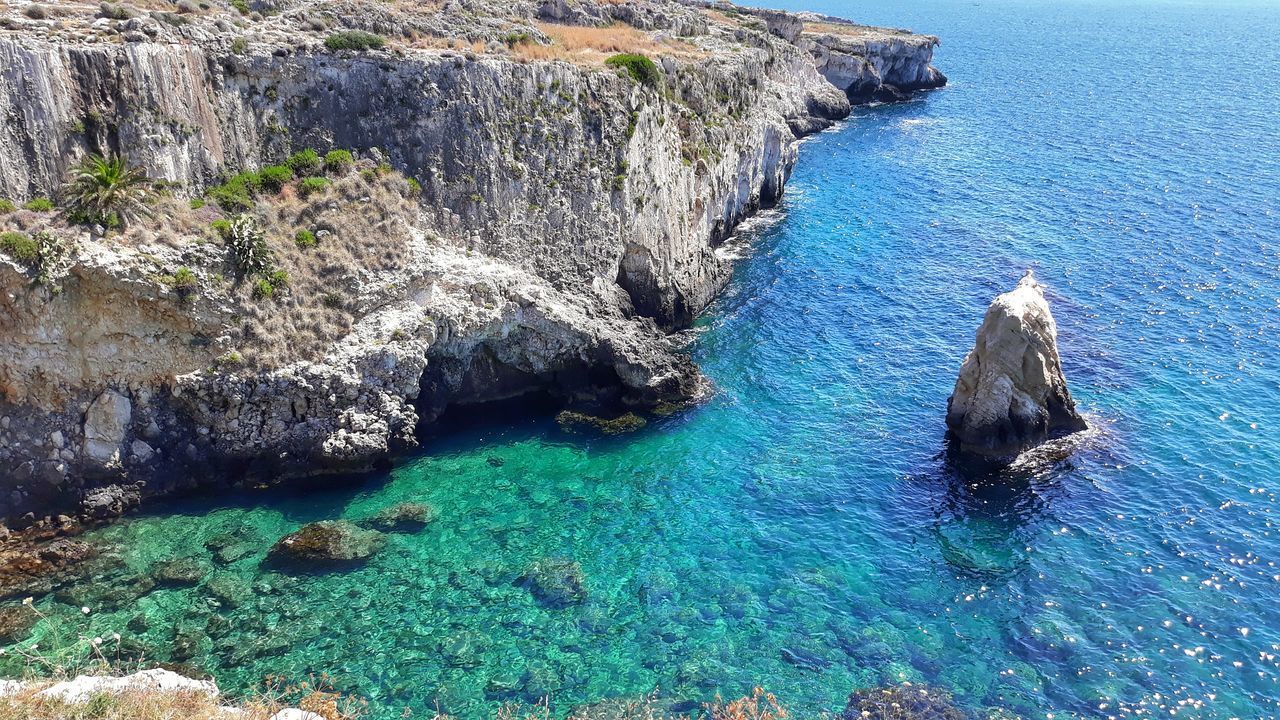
(328, 542)
(402, 517)
(555, 582)
(1011, 393)
(109, 501)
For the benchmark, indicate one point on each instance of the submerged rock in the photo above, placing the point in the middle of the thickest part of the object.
(1011, 394)
(555, 582)
(179, 571)
(625, 423)
(328, 542)
(16, 623)
(902, 702)
(402, 517)
(37, 569)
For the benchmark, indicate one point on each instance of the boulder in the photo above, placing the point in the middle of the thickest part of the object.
(555, 582)
(105, 424)
(328, 542)
(1011, 394)
(179, 571)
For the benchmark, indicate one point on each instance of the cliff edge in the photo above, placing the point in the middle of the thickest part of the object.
(535, 198)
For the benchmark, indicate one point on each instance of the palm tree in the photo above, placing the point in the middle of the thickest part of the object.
(107, 191)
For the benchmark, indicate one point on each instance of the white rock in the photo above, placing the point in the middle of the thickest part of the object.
(82, 687)
(1011, 393)
(295, 714)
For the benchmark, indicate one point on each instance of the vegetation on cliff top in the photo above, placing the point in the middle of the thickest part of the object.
(642, 69)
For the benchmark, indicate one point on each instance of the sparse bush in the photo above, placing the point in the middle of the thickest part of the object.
(415, 187)
(36, 11)
(305, 162)
(40, 204)
(304, 239)
(222, 227)
(239, 46)
(112, 11)
(354, 40)
(248, 246)
(338, 162)
(278, 279)
(197, 203)
(53, 254)
(642, 69)
(273, 177)
(241, 6)
(312, 185)
(106, 190)
(6, 206)
(187, 7)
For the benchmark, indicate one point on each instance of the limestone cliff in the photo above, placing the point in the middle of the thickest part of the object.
(569, 218)
(1011, 394)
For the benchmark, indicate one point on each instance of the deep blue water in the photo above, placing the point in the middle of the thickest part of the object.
(1130, 153)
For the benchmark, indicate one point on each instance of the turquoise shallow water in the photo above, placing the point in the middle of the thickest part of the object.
(1132, 156)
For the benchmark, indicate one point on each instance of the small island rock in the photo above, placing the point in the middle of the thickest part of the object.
(1011, 394)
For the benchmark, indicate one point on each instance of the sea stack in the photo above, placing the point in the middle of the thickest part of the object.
(1011, 394)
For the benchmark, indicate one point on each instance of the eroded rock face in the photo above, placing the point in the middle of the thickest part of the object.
(1011, 394)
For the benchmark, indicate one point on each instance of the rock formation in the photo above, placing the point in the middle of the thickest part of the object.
(569, 218)
(1011, 394)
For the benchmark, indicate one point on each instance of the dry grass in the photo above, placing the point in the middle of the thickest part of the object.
(362, 224)
(593, 45)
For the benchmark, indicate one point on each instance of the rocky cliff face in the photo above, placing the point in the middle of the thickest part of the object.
(569, 218)
(1011, 394)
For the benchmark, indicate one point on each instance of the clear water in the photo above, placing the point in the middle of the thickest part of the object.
(1130, 152)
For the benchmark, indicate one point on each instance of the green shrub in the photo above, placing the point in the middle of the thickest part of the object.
(312, 185)
(39, 204)
(239, 46)
(642, 69)
(19, 246)
(415, 187)
(197, 203)
(263, 290)
(354, 40)
(236, 194)
(7, 206)
(241, 6)
(184, 282)
(304, 162)
(304, 239)
(222, 227)
(278, 279)
(43, 253)
(273, 177)
(337, 162)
